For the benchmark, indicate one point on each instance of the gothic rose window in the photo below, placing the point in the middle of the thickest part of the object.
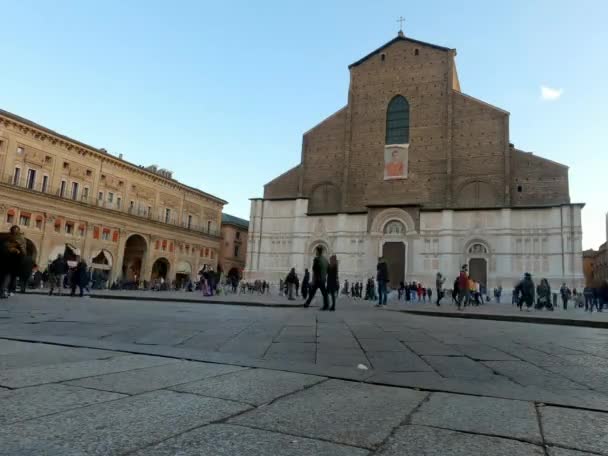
(398, 121)
(394, 227)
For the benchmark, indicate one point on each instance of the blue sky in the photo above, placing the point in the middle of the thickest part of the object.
(221, 92)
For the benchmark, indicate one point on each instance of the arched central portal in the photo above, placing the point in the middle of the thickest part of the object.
(160, 269)
(393, 253)
(478, 270)
(133, 258)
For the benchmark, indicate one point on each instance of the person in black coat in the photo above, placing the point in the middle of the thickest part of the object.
(333, 282)
(382, 278)
(526, 290)
(80, 278)
(305, 283)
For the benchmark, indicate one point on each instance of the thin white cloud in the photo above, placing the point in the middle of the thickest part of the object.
(550, 94)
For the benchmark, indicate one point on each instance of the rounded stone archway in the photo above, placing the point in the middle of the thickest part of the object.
(183, 274)
(388, 217)
(133, 258)
(160, 269)
(31, 250)
(477, 256)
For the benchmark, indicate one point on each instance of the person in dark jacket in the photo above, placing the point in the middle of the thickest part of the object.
(305, 283)
(291, 280)
(382, 278)
(439, 281)
(80, 278)
(566, 295)
(319, 278)
(526, 291)
(57, 271)
(544, 295)
(464, 295)
(333, 282)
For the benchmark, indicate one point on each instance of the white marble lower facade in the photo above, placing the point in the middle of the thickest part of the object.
(546, 242)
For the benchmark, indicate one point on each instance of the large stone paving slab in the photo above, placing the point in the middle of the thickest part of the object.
(432, 349)
(26, 403)
(31, 355)
(343, 412)
(252, 386)
(227, 440)
(459, 367)
(167, 336)
(484, 415)
(528, 374)
(592, 377)
(387, 343)
(483, 352)
(424, 441)
(292, 351)
(30, 376)
(398, 361)
(555, 451)
(580, 429)
(153, 378)
(345, 357)
(115, 427)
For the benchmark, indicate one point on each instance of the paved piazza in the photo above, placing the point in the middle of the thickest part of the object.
(107, 376)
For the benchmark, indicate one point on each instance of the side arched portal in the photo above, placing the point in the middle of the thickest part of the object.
(133, 258)
(160, 269)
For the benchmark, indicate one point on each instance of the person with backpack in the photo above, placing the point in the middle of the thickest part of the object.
(57, 271)
(526, 292)
(292, 281)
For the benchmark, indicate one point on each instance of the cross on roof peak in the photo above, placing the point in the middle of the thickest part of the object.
(401, 20)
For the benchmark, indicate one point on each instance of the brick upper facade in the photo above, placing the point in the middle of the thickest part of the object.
(459, 153)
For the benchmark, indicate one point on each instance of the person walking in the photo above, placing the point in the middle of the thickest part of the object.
(305, 283)
(319, 278)
(544, 295)
(79, 278)
(566, 294)
(57, 271)
(588, 293)
(333, 281)
(291, 280)
(13, 252)
(463, 287)
(602, 300)
(526, 291)
(439, 281)
(382, 279)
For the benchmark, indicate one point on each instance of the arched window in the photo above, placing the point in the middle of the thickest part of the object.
(398, 121)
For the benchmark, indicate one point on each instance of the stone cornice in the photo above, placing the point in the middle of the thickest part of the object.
(40, 133)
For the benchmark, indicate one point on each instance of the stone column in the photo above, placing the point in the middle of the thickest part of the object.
(120, 256)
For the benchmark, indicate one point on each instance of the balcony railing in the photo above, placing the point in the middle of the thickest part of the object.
(90, 200)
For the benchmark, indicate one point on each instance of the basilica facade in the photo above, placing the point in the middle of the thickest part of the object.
(416, 171)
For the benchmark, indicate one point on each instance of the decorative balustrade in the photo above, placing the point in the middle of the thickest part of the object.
(90, 200)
